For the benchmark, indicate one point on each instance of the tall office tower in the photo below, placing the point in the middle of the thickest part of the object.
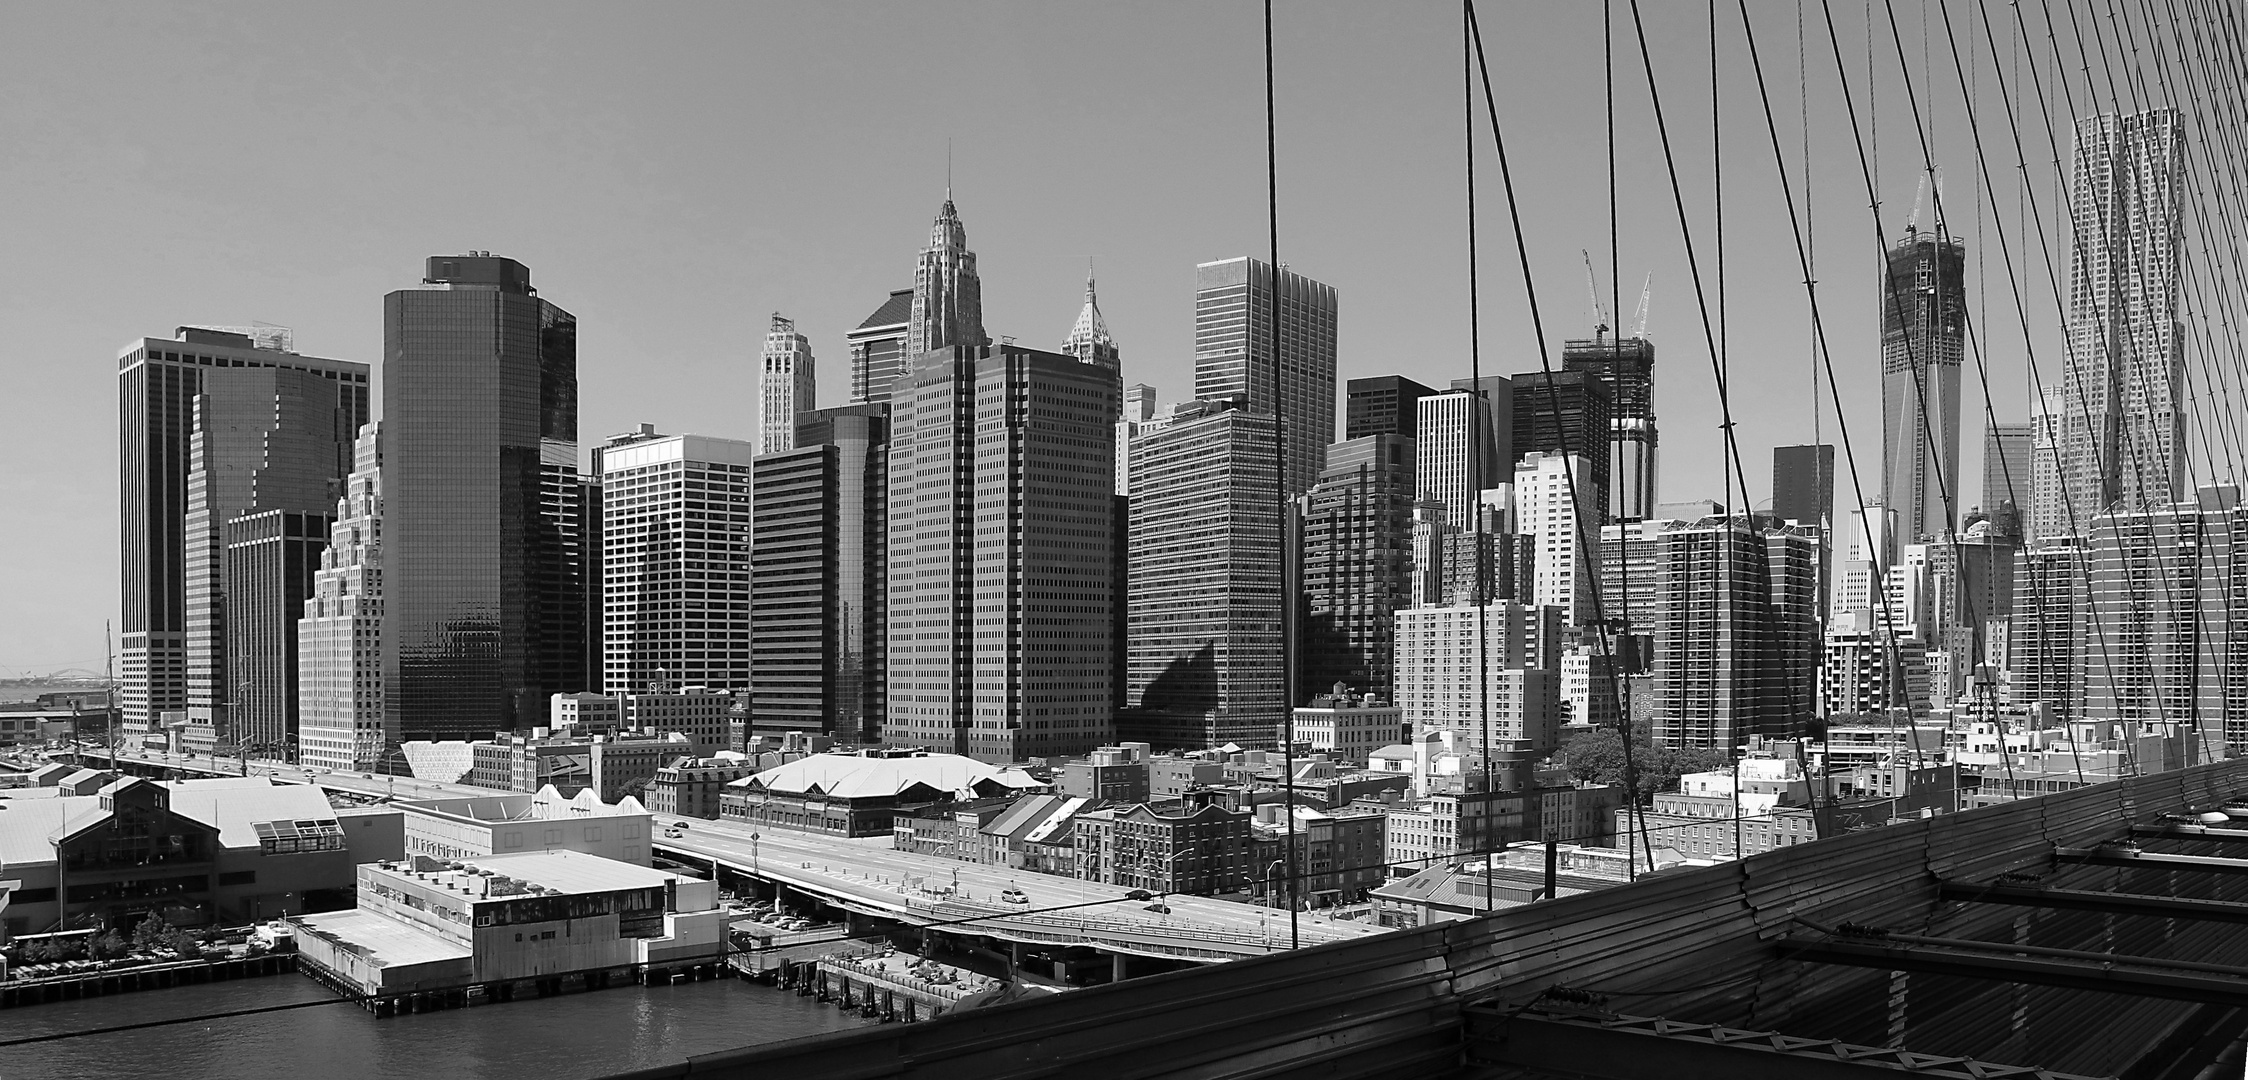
(1141, 415)
(1923, 336)
(1803, 492)
(877, 345)
(1543, 484)
(339, 638)
(786, 385)
(1736, 639)
(271, 557)
(1002, 532)
(2051, 629)
(1455, 455)
(1803, 483)
(947, 294)
(1357, 564)
(1466, 669)
(483, 605)
(2167, 583)
(1387, 405)
(268, 448)
(158, 382)
(2047, 514)
(816, 585)
(2007, 450)
(1233, 354)
(1203, 646)
(589, 571)
(2122, 417)
(1626, 367)
(1567, 412)
(675, 545)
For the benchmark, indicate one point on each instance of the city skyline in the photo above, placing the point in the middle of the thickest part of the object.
(857, 240)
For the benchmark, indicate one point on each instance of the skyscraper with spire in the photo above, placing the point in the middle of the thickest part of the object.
(947, 294)
(785, 385)
(1089, 340)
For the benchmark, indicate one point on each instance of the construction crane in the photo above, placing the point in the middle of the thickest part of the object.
(1639, 321)
(1592, 288)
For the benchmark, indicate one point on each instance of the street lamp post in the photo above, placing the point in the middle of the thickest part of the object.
(1268, 881)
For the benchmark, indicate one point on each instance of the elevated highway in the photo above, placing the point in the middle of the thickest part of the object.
(866, 877)
(2034, 939)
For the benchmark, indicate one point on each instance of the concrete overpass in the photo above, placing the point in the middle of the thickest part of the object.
(866, 877)
(2078, 934)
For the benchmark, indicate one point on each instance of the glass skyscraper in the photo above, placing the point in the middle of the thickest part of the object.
(158, 382)
(1233, 354)
(484, 610)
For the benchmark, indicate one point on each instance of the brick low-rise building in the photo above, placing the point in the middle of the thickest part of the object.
(690, 787)
(1166, 848)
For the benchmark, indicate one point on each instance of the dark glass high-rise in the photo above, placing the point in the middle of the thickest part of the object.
(484, 606)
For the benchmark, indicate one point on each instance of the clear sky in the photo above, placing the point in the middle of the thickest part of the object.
(674, 173)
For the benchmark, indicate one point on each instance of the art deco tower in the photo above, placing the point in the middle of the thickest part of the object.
(785, 385)
(1089, 339)
(947, 294)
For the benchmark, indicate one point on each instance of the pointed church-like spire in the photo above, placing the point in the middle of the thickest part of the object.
(1089, 339)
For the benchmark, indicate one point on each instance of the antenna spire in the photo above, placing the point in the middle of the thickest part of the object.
(948, 169)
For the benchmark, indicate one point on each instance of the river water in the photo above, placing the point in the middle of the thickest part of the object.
(557, 1038)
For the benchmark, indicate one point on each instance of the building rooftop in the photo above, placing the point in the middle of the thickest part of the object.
(385, 942)
(893, 312)
(547, 804)
(572, 871)
(857, 776)
(236, 805)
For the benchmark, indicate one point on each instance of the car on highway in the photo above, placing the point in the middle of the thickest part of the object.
(1139, 894)
(1013, 895)
(1159, 909)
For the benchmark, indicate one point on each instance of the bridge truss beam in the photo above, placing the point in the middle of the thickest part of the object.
(2112, 855)
(2160, 907)
(1616, 1047)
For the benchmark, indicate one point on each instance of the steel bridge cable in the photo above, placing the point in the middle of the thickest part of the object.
(1284, 518)
(1747, 521)
(1588, 566)
(2068, 498)
(2131, 444)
